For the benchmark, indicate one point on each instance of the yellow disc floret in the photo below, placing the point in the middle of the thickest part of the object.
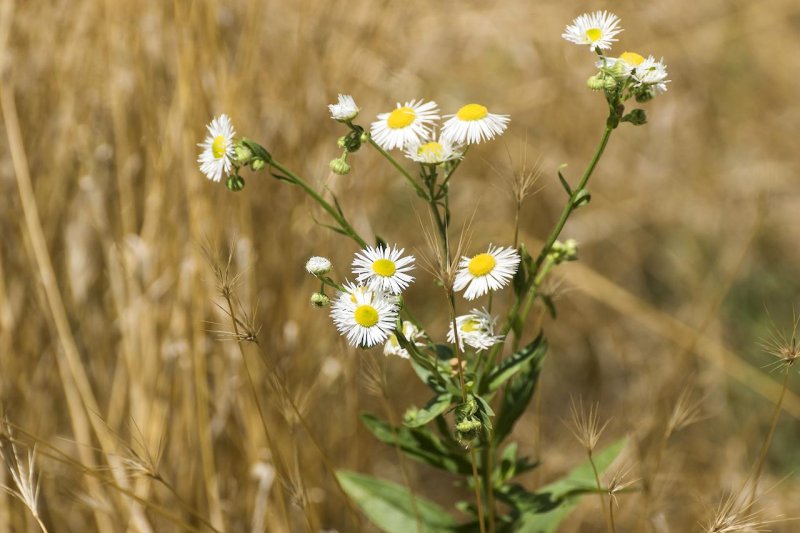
(594, 34)
(470, 325)
(366, 316)
(432, 148)
(400, 118)
(384, 267)
(219, 146)
(631, 58)
(472, 112)
(482, 264)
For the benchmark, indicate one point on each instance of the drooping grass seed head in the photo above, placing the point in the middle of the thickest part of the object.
(218, 154)
(384, 268)
(407, 124)
(491, 270)
(472, 124)
(345, 109)
(784, 347)
(597, 30)
(585, 424)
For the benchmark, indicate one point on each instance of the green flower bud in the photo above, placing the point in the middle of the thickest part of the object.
(609, 84)
(644, 94)
(243, 153)
(235, 183)
(258, 164)
(341, 141)
(364, 137)
(340, 166)
(319, 299)
(596, 83)
(637, 117)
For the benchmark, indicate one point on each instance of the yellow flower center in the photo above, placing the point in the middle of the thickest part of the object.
(594, 34)
(470, 325)
(218, 146)
(631, 58)
(401, 117)
(384, 267)
(481, 264)
(366, 316)
(393, 340)
(432, 148)
(472, 112)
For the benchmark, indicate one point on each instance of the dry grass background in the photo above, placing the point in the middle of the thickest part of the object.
(107, 304)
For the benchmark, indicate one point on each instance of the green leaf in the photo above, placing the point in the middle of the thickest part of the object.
(550, 505)
(582, 197)
(436, 406)
(420, 444)
(564, 183)
(519, 390)
(392, 507)
(511, 365)
(511, 466)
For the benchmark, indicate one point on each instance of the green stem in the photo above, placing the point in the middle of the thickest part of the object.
(344, 225)
(420, 191)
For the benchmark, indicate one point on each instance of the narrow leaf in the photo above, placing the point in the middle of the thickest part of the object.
(519, 391)
(392, 507)
(511, 365)
(436, 406)
(420, 444)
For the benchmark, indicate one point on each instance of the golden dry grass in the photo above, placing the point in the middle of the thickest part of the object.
(142, 414)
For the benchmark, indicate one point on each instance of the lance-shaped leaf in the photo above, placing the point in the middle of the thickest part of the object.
(519, 390)
(419, 417)
(420, 444)
(511, 365)
(392, 507)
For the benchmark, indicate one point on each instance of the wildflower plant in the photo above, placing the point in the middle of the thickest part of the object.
(481, 379)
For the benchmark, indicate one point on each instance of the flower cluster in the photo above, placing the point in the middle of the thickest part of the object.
(630, 73)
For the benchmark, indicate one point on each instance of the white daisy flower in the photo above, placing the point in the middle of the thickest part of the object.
(491, 270)
(411, 332)
(345, 109)
(652, 73)
(596, 29)
(217, 156)
(383, 268)
(627, 62)
(364, 316)
(473, 124)
(318, 266)
(475, 329)
(433, 152)
(407, 124)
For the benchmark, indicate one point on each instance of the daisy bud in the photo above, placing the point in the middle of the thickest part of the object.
(609, 84)
(340, 142)
(340, 166)
(364, 137)
(637, 117)
(318, 266)
(243, 153)
(258, 164)
(596, 83)
(235, 183)
(320, 300)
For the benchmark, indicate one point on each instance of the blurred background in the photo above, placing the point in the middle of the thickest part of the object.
(113, 354)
